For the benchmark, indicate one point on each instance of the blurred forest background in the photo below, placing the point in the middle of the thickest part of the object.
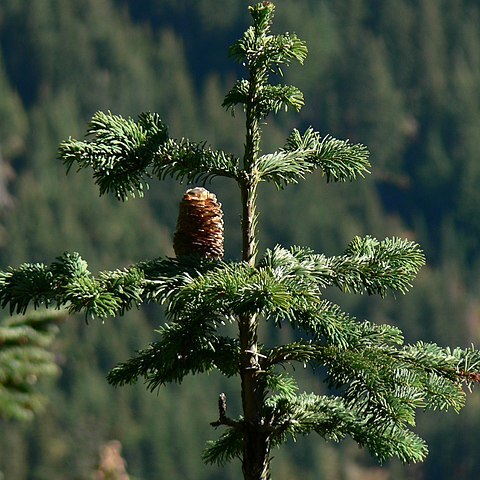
(401, 76)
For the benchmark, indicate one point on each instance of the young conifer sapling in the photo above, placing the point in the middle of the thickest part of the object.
(379, 381)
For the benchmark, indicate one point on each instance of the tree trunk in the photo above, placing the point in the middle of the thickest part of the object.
(256, 455)
(256, 441)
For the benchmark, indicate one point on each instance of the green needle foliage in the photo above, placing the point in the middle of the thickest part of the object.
(24, 360)
(379, 382)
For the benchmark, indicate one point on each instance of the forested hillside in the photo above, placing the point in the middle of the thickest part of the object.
(400, 76)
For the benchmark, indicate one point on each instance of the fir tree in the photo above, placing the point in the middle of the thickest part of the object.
(24, 359)
(378, 381)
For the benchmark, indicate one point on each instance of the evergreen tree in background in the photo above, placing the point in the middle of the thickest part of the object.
(24, 359)
(378, 381)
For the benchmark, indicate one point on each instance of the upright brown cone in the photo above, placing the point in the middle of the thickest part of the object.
(200, 225)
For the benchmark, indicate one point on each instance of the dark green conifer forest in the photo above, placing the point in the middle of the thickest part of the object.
(400, 76)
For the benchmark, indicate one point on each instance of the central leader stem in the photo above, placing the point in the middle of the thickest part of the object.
(256, 440)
